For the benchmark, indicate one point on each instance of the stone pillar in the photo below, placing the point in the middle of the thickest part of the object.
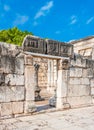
(36, 66)
(49, 75)
(37, 89)
(29, 85)
(51, 79)
(62, 83)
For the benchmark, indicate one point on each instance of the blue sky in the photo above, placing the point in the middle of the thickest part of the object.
(62, 20)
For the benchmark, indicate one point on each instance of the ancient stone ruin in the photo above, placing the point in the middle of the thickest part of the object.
(45, 67)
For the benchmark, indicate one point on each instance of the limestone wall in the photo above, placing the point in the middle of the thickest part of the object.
(17, 80)
(80, 82)
(11, 80)
(84, 47)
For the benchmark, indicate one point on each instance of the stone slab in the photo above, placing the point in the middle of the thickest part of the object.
(6, 109)
(17, 107)
(14, 79)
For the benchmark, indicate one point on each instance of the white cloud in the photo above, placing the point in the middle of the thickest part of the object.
(90, 20)
(73, 19)
(57, 32)
(6, 8)
(20, 20)
(44, 10)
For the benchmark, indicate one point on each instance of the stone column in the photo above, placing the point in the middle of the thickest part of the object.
(29, 85)
(62, 83)
(37, 89)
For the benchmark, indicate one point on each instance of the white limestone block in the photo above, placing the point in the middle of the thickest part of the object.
(19, 65)
(92, 82)
(78, 90)
(75, 72)
(92, 91)
(74, 81)
(6, 109)
(17, 107)
(79, 101)
(13, 79)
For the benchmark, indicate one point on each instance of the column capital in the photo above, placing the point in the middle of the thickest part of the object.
(63, 64)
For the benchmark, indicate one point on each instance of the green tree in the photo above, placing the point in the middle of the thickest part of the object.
(13, 36)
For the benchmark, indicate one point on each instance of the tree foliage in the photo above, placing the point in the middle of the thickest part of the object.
(13, 35)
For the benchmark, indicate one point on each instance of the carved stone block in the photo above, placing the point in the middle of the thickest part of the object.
(34, 44)
(52, 47)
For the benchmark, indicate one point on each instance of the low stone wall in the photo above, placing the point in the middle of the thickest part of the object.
(12, 91)
(80, 82)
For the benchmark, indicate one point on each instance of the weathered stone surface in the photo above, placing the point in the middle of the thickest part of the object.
(75, 72)
(2, 94)
(79, 101)
(61, 83)
(59, 48)
(78, 90)
(29, 82)
(8, 94)
(30, 107)
(7, 49)
(28, 60)
(84, 81)
(14, 79)
(8, 63)
(92, 91)
(34, 44)
(74, 81)
(2, 79)
(78, 61)
(17, 107)
(88, 72)
(19, 65)
(92, 82)
(6, 109)
(18, 93)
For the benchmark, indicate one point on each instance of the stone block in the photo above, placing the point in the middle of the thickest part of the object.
(8, 94)
(92, 91)
(78, 90)
(79, 101)
(17, 107)
(78, 61)
(8, 64)
(85, 81)
(34, 44)
(92, 82)
(30, 93)
(6, 109)
(75, 72)
(2, 94)
(19, 65)
(88, 72)
(13, 79)
(30, 107)
(18, 93)
(74, 81)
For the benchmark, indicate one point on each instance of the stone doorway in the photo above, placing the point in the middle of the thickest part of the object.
(41, 76)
